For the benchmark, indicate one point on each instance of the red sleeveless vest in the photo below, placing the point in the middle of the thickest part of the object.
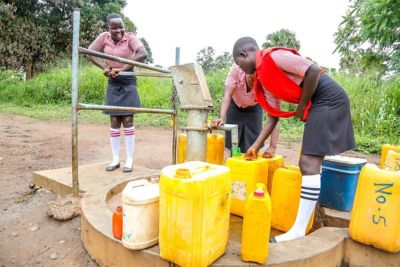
(273, 79)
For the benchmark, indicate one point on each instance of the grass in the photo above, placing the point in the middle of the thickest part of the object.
(375, 108)
(375, 104)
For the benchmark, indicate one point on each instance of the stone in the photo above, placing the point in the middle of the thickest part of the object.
(34, 228)
(64, 208)
(53, 256)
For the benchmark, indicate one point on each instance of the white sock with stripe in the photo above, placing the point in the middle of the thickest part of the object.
(129, 145)
(114, 138)
(310, 188)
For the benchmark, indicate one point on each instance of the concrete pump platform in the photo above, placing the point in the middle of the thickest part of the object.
(327, 246)
(91, 176)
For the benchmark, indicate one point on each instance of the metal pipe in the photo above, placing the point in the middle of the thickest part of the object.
(74, 96)
(177, 55)
(174, 137)
(174, 107)
(200, 129)
(196, 148)
(127, 109)
(146, 74)
(120, 59)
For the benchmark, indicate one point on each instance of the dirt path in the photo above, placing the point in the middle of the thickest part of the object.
(27, 236)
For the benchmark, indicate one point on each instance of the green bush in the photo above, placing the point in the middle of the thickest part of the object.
(9, 76)
(375, 108)
(54, 87)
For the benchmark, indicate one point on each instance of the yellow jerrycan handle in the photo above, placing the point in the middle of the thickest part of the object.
(187, 173)
(138, 183)
(392, 162)
(244, 157)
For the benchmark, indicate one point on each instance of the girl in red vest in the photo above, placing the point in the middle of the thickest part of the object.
(321, 103)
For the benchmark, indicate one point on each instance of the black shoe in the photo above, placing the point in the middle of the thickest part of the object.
(112, 167)
(127, 169)
(272, 240)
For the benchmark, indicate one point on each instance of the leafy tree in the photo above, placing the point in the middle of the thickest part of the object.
(149, 58)
(282, 38)
(364, 62)
(205, 58)
(38, 31)
(24, 41)
(368, 38)
(223, 61)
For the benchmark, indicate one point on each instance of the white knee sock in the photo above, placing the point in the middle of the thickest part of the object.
(114, 138)
(129, 145)
(310, 188)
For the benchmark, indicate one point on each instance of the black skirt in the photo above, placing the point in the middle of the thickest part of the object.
(328, 129)
(122, 91)
(249, 121)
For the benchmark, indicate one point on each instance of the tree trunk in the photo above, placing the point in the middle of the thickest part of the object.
(29, 71)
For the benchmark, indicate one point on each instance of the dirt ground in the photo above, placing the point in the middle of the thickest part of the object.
(28, 237)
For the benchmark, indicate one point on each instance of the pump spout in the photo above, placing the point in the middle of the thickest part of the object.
(233, 128)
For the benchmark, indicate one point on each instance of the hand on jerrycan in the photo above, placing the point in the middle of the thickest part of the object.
(269, 152)
(251, 153)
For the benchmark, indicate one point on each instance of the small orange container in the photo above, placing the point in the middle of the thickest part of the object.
(117, 223)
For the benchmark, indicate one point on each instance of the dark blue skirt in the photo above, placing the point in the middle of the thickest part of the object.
(328, 129)
(249, 121)
(122, 91)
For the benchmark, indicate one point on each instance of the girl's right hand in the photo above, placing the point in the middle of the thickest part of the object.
(251, 153)
(106, 71)
(216, 123)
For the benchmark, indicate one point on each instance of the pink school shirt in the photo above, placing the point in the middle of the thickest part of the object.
(293, 66)
(125, 48)
(237, 79)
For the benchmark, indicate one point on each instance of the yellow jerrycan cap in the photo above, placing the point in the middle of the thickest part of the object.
(260, 190)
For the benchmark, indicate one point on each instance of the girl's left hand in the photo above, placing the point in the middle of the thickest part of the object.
(269, 152)
(115, 72)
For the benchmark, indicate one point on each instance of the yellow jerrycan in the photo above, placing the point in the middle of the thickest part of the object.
(256, 226)
(245, 174)
(385, 149)
(275, 162)
(375, 219)
(194, 213)
(182, 143)
(285, 198)
(215, 148)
